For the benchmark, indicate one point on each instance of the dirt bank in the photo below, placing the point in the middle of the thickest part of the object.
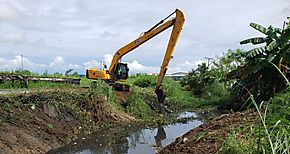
(208, 137)
(37, 122)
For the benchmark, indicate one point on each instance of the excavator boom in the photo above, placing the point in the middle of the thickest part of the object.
(177, 27)
(119, 71)
(177, 24)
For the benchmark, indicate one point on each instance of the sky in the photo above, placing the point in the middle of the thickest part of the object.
(59, 35)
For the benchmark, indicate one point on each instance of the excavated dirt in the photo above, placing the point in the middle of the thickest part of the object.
(208, 137)
(37, 122)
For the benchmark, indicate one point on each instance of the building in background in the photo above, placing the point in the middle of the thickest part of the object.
(177, 76)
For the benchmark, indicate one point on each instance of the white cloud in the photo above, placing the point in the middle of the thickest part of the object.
(92, 28)
(83, 29)
(91, 64)
(7, 11)
(58, 64)
(107, 34)
(136, 67)
(108, 59)
(73, 66)
(14, 37)
(16, 64)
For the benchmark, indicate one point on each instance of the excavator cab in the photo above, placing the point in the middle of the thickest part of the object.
(121, 72)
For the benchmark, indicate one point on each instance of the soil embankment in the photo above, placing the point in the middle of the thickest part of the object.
(37, 122)
(208, 137)
(40, 121)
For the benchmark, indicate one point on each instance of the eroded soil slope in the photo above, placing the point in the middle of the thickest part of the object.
(40, 121)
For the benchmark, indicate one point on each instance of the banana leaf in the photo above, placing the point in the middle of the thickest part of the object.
(256, 40)
(272, 45)
(256, 51)
(259, 28)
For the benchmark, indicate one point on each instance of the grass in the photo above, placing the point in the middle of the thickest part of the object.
(138, 107)
(85, 82)
(176, 95)
(99, 87)
(271, 135)
(33, 85)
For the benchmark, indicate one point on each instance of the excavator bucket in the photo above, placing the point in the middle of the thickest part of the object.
(160, 95)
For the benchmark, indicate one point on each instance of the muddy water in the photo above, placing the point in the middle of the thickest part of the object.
(130, 139)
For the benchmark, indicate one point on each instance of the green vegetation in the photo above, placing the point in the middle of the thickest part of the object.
(177, 96)
(87, 108)
(142, 99)
(264, 80)
(256, 78)
(41, 84)
(264, 65)
(85, 82)
(100, 88)
(34, 85)
(208, 82)
(271, 135)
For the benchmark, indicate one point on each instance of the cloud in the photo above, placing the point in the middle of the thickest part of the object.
(87, 29)
(91, 64)
(7, 11)
(136, 67)
(15, 37)
(16, 64)
(107, 34)
(58, 64)
(108, 59)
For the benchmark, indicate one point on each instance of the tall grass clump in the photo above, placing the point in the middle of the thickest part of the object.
(143, 81)
(100, 87)
(216, 93)
(177, 95)
(271, 135)
(85, 82)
(137, 105)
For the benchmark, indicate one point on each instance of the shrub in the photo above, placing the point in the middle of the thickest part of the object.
(145, 81)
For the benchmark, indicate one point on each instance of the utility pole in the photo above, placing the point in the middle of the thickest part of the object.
(208, 60)
(21, 63)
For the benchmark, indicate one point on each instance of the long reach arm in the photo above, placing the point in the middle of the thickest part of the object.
(177, 24)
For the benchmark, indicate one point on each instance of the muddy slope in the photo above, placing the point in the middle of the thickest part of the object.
(207, 138)
(41, 121)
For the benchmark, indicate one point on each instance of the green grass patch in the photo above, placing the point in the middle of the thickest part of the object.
(271, 135)
(178, 96)
(85, 82)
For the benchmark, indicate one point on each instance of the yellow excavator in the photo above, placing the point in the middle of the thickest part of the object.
(118, 72)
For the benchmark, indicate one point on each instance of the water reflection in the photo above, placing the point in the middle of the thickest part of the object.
(161, 135)
(129, 139)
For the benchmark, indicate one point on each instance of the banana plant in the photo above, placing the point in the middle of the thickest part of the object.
(259, 75)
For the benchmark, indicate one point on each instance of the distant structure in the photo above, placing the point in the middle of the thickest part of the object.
(177, 76)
